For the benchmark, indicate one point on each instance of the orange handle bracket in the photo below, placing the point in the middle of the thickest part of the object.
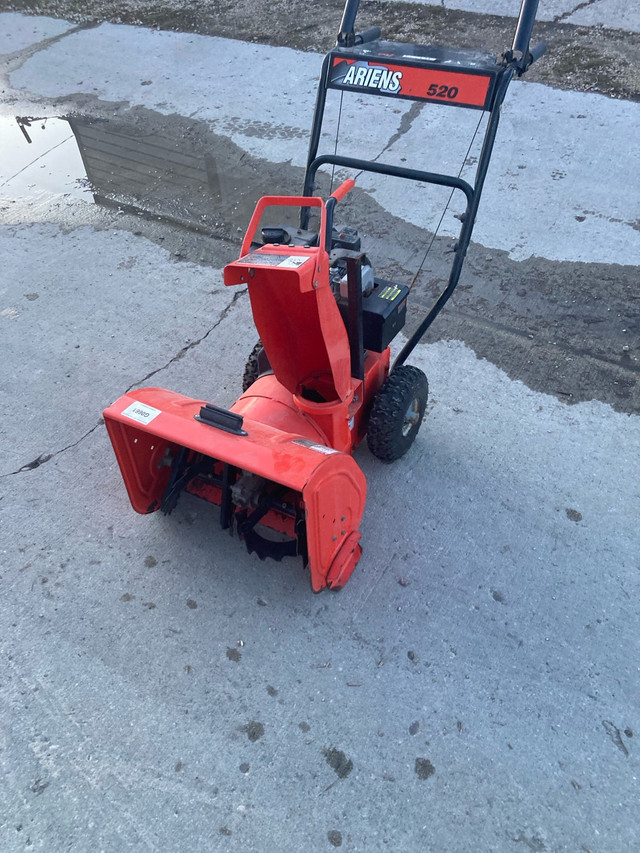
(293, 201)
(279, 201)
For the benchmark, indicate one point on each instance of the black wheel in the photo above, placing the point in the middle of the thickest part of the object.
(256, 365)
(397, 412)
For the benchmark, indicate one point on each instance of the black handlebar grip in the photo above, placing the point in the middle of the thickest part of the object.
(537, 51)
(371, 34)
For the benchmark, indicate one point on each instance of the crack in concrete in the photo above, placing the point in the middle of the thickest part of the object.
(47, 457)
(223, 315)
(563, 17)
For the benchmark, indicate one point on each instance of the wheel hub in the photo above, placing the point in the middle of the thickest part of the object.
(411, 417)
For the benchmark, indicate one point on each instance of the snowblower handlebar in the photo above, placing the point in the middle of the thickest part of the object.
(371, 34)
(342, 190)
(520, 55)
(330, 206)
(537, 51)
(524, 27)
(521, 62)
(347, 35)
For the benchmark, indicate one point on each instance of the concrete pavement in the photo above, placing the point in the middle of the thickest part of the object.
(475, 685)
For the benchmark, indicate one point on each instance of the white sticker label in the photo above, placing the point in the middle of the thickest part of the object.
(261, 259)
(293, 261)
(141, 412)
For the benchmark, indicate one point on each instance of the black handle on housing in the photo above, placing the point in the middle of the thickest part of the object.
(221, 418)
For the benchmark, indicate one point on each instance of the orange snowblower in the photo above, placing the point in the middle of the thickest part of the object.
(279, 462)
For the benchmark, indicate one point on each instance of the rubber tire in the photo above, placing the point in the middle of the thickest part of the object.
(391, 432)
(252, 368)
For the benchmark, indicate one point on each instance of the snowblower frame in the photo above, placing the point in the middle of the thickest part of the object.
(279, 462)
(460, 78)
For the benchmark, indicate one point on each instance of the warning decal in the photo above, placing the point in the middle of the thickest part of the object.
(268, 260)
(293, 261)
(391, 292)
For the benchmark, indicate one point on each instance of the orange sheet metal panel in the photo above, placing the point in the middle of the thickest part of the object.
(143, 424)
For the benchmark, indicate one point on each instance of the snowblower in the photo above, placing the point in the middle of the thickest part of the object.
(278, 464)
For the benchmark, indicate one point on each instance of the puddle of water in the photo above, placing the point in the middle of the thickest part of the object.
(148, 171)
(40, 164)
(176, 174)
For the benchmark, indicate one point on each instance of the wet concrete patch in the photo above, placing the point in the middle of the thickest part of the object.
(615, 736)
(546, 323)
(158, 168)
(338, 762)
(424, 768)
(253, 730)
(173, 180)
(535, 843)
(167, 178)
(39, 786)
